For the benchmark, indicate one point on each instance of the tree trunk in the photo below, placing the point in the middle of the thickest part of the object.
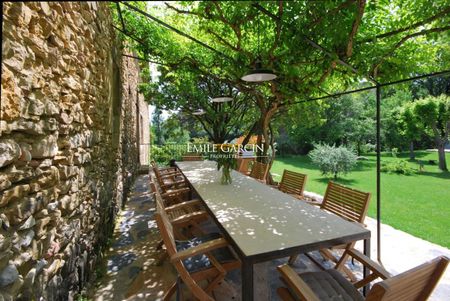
(263, 135)
(441, 155)
(250, 133)
(412, 155)
(358, 148)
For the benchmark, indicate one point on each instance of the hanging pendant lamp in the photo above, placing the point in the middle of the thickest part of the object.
(259, 74)
(222, 99)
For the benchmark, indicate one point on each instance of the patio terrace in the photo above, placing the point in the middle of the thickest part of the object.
(132, 272)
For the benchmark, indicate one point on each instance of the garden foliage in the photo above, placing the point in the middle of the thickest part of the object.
(333, 160)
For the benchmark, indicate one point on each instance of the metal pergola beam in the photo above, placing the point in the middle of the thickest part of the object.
(119, 12)
(377, 88)
(378, 136)
(433, 74)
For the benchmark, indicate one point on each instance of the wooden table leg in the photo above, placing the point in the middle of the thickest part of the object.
(366, 270)
(247, 280)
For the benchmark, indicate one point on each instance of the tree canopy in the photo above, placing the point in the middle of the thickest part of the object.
(315, 48)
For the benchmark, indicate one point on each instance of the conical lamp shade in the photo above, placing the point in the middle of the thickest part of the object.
(222, 99)
(259, 74)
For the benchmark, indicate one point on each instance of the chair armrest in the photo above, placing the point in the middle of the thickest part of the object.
(199, 249)
(171, 175)
(189, 203)
(372, 265)
(188, 217)
(297, 285)
(169, 169)
(175, 192)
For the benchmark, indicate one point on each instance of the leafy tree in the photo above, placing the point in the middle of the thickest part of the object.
(310, 54)
(348, 120)
(408, 125)
(399, 129)
(174, 131)
(157, 126)
(434, 114)
(333, 160)
(189, 93)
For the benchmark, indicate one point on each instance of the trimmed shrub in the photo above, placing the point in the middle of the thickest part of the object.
(398, 166)
(333, 160)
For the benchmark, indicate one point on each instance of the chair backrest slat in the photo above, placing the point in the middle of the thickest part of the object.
(415, 284)
(348, 203)
(292, 182)
(259, 171)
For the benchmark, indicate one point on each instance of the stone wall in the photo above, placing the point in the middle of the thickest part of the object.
(69, 144)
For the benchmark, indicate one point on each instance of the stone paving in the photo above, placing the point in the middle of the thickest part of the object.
(130, 271)
(133, 269)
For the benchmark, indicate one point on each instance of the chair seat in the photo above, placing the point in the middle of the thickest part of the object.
(331, 285)
(201, 262)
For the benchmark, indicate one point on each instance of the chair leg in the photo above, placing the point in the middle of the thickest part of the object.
(161, 259)
(169, 293)
(292, 259)
(160, 245)
(179, 289)
(315, 261)
(214, 283)
(339, 263)
(284, 294)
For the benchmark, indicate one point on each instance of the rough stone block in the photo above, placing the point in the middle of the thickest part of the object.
(10, 106)
(35, 107)
(45, 147)
(9, 152)
(8, 275)
(40, 227)
(14, 194)
(20, 14)
(29, 223)
(5, 256)
(23, 209)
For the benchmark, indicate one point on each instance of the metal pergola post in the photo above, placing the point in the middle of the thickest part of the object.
(377, 86)
(378, 146)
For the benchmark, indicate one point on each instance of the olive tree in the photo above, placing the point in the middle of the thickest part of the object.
(434, 114)
(333, 159)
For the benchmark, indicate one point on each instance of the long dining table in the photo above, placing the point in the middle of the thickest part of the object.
(262, 223)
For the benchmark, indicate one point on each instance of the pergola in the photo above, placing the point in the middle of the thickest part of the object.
(376, 85)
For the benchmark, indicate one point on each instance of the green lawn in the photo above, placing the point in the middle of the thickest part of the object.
(418, 204)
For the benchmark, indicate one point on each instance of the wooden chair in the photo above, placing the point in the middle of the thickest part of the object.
(292, 183)
(171, 180)
(204, 258)
(192, 157)
(185, 216)
(165, 170)
(259, 171)
(413, 285)
(243, 165)
(348, 203)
